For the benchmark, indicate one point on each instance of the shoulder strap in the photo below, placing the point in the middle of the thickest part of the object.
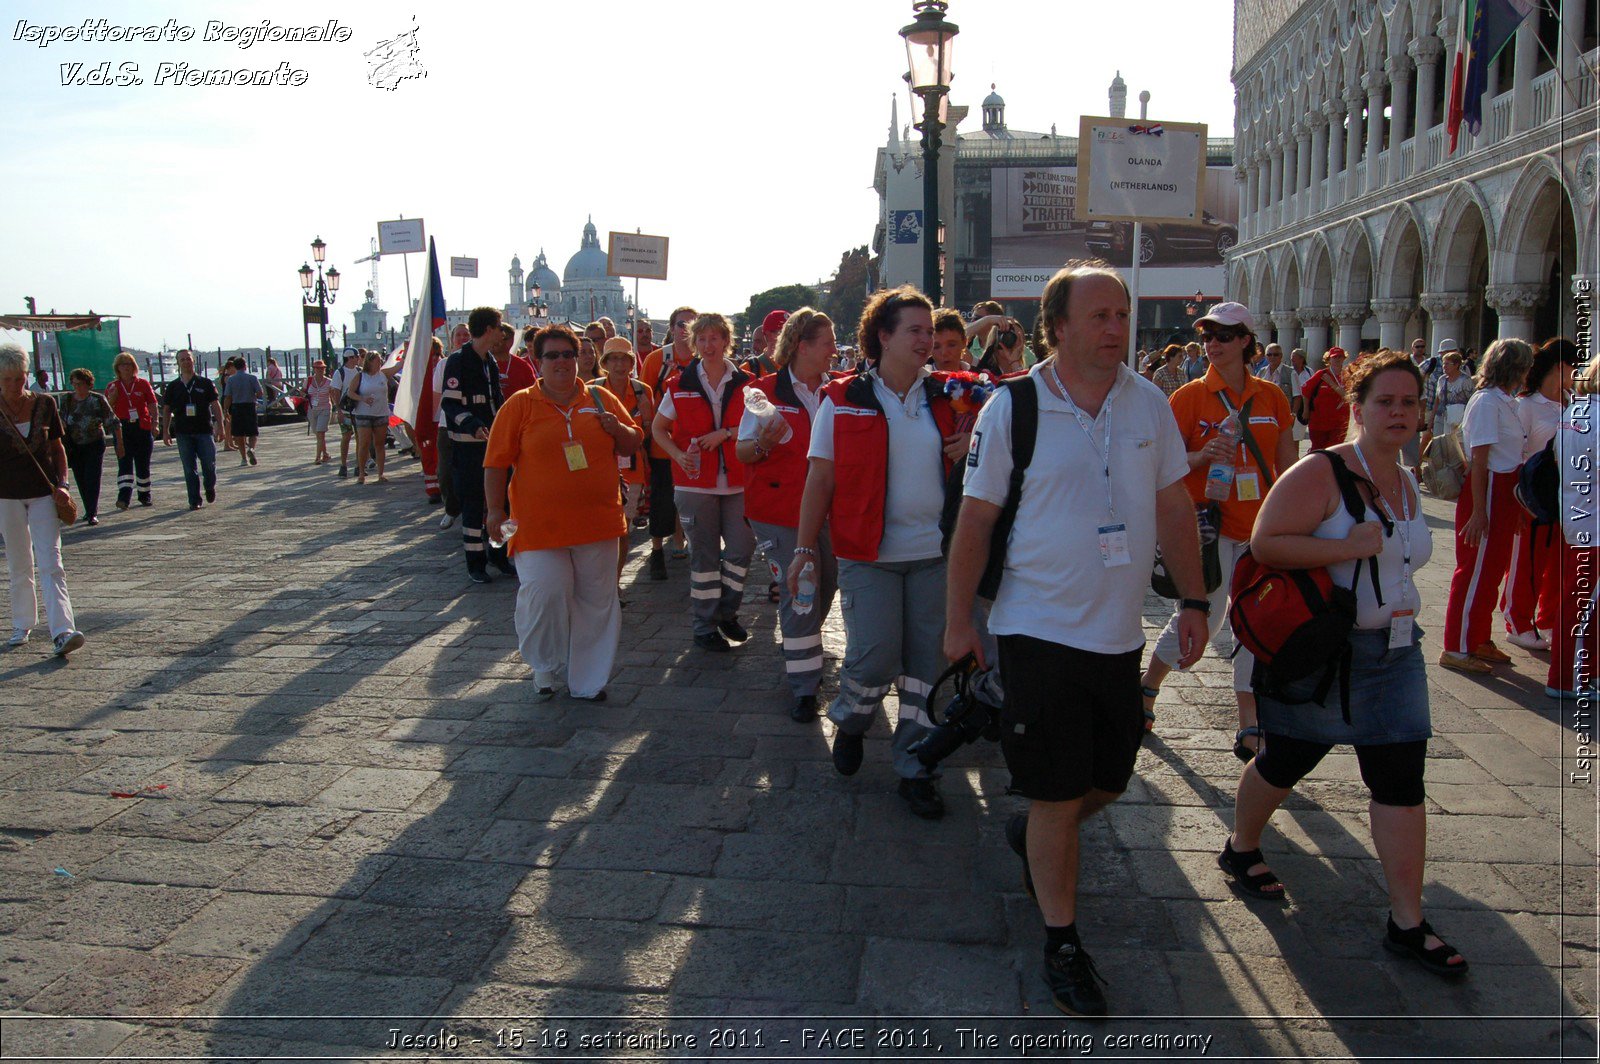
(1356, 507)
(1249, 437)
(1024, 424)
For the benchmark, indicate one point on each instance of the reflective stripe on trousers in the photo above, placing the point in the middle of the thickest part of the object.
(802, 633)
(720, 545)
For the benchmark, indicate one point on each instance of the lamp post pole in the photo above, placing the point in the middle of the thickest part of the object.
(930, 41)
(319, 289)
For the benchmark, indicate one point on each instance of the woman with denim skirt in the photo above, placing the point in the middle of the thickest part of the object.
(1304, 524)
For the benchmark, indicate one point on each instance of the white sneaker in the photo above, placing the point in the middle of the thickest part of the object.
(1528, 640)
(19, 636)
(446, 521)
(67, 642)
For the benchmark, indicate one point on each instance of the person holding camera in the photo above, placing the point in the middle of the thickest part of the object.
(1105, 487)
(1004, 356)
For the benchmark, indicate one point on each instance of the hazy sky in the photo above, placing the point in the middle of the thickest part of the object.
(745, 131)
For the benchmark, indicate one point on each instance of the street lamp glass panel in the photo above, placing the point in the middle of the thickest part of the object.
(318, 249)
(537, 291)
(333, 280)
(305, 276)
(930, 47)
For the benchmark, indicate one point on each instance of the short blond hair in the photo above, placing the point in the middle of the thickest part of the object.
(124, 359)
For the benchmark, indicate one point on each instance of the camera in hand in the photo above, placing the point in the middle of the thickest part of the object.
(972, 713)
(1008, 337)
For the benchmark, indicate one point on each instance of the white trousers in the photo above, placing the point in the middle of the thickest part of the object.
(33, 538)
(1244, 662)
(568, 617)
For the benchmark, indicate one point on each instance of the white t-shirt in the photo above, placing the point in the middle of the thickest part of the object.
(669, 409)
(1492, 419)
(1578, 448)
(916, 470)
(438, 390)
(1055, 585)
(1540, 418)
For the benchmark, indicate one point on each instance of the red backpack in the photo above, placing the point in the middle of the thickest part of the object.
(1298, 621)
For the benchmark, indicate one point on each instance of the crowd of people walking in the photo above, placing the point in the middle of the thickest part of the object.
(964, 494)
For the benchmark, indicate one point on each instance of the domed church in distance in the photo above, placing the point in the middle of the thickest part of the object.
(583, 292)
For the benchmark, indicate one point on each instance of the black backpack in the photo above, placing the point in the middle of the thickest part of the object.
(1024, 430)
(1539, 484)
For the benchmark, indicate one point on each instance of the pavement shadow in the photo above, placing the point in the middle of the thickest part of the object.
(1310, 977)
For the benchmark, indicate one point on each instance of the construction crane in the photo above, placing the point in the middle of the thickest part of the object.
(373, 258)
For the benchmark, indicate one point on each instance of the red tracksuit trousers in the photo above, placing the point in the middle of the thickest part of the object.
(1480, 569)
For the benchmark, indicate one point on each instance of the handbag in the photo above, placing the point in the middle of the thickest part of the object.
(66, 509)
(1443, 465)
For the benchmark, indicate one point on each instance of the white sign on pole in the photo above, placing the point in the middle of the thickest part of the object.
(462, 267)
(637, 255)
(1140, 171)
(1019, 282)
(401, 237)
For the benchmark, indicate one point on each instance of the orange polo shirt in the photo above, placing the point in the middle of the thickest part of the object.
(1199, 409)
(635, 469)
(553, 504)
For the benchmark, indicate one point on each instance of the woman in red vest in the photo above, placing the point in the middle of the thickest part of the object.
(776, 455)
(1328, 417)
(696, 425)
(881, 448)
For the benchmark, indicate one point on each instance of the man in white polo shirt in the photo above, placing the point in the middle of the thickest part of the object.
(1105, 487)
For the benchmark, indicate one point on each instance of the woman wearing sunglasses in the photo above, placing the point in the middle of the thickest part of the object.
(1265, 449)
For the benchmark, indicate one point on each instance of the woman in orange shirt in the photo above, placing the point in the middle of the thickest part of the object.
(617, 364)
(563, 439)
(1201, 407)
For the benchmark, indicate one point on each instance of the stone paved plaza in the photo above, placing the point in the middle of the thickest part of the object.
(350, 817)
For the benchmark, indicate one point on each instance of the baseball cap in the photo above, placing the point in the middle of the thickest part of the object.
(1229, 314)
(614, 345)
(774, 320)
(1335, 352)
(1447, 346)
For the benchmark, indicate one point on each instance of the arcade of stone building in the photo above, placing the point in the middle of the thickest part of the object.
(1356, 222)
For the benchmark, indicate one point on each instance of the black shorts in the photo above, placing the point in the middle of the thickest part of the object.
(1073, 719)
(243, 420)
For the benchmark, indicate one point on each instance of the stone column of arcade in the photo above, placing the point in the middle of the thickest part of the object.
(1447, 314)
(1350, 316)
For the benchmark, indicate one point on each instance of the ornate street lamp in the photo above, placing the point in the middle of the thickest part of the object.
(930, 44)
(319, 290)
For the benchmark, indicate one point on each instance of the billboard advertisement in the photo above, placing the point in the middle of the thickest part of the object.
(1033, 226)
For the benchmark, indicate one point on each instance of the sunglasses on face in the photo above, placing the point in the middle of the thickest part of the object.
(1222, 336)
(562, 352)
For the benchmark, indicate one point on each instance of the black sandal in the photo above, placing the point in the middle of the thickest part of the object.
(1237, 865)
(1243, 752)
(1410, 944)
(1151, 693)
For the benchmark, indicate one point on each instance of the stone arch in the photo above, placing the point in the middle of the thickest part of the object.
(1533, 228)
(1238, 274)
(1316, 286)
(1402, 261)
(1465, 228)
(1353, 271)
(1264, 285)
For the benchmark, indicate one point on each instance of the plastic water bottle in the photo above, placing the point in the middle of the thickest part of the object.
(1219, 478)
(807, 596)
(508, 528)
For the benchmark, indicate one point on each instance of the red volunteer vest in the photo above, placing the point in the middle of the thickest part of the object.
(861, 461)
(694, 419)
(773, 486)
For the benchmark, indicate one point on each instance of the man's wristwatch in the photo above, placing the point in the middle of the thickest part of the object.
(1203, 605)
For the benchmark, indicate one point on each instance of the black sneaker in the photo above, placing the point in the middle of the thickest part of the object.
(478, 576)
(658, 564)
(344, 471)
(922, 798)
(712, 641)
(1074, 982)
(847, 752)
(505, 566)
(211, 495)
(733, 630)
(1017, 836)
(804, 709)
